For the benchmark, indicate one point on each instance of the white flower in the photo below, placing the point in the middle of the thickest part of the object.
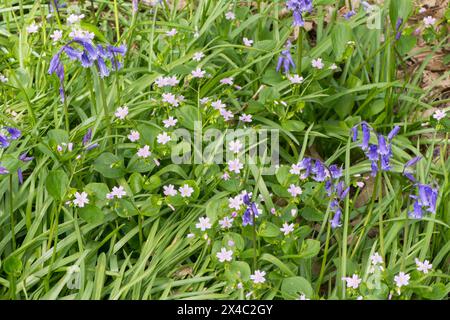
(294, 190)
(295, 79)
(171, 122)
(226, 222)
(171, 32)
(203, 224)
(402, 279)
(134, 136)
(303, 297)
(439, 115)
(74, 18)
(235, 146)
(258, 277)
(186, 191)
(295, 168)
(33, 28)
(166, 81)
(121, 112)
(228, 81)
(224, 255)
(3, 79)
(423, 266)
(225, 176)
(293, 212)
(198, 73)
(79, 33)
(429, 21)
(163, 138)
(317, 63)
(247, 42)
(118, 192)
(287, 228)
(204, 100)
(246, 117)
(333, 66)
(226, 114)
(376, 259)
(170, 99)
(190, 235)
(198, 56)
(169, 190)
(352, 282)
(56, 35)
(422, 10)
(235, 203)
(144, 152)
(230, 15)
(218, 105)
(235, 166)
(81, 199)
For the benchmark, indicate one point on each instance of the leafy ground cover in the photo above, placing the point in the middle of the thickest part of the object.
(129, 167)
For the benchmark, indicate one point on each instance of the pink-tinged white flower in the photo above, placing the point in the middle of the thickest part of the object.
(229, 81)
(333, 66)
(56, 35)
(235, 203)
(134, 136)
(74, 18)
(224, 255)
(203, 224)
(226, 114)
(169, 191)
(121, 112)
(198, 73)
(247, 42)
(317, 63)
(218, 105)
(429, 21)
(3, 79)
(376, 259)
(303, 297)
(439, 115)
(83, 34)
(294, 190)
(185, 191)
(171, 122)
(258, 277)
(226, 222)
(422, 10)
(235, 146)
(423, 266)
(295, 168)
(163, 138)
(225, 176)
(402, 279)
(296, 79)
(246, 118)
(33, 28)
(287, 228)
(360, 184)
(293, 212)
(117, 192)
(170, 99)
(172, 32)
(230, 15)
(204, 100)
(80, 199)
(352, 282)
(235, 166)
(166, 81)
(198, 56)
(144, 152)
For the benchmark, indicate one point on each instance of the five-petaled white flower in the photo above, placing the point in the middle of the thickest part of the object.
(134, 136)
(303, 297)
(258, 277)
(230, 15)
(226, 222)
(171, 32)
(81, 199)
(246, 117)
(170, 190)
(121, 112)
(235, 203)
(33, 28)
(294, 190)
(235, 146)
(118, 192)
(163, 138)
(235, 166)
(198, 56)
(170, 99)
(226, 114)
(333, 66)
(317, 63)
(198, 73)
(56, 35)
(218, 105)
(429, 21)
(203, 224)
(144, 152)
(296, 79)
(3, 79)
(247, 42)
(229, 81)
(439, 115)
(224, 255)
(376, 259)
(402, 279)
(352, 282)
(171, 122)
(186, 191)
(423, 266)
(74, 18)
(287, 228)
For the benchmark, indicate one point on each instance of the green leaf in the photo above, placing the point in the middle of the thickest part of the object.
(187, 115)
(310, 248)
(12, 266)
(293, 125)
(311, 214)
(277, 262)
(341, 35)
(268, 230)
(293, 287)
(109, 165)
(91, 214)
(152, 205)
(126, 209)
(57, 183)
(399, 9)
(376, 107)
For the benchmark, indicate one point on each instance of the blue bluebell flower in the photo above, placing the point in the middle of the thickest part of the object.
(3, 170)
(398, 30)
(285, 60)
(87, 137)
(349, 14)
(424, 202)
(24, 158)
(408, 165)
(298, 8)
